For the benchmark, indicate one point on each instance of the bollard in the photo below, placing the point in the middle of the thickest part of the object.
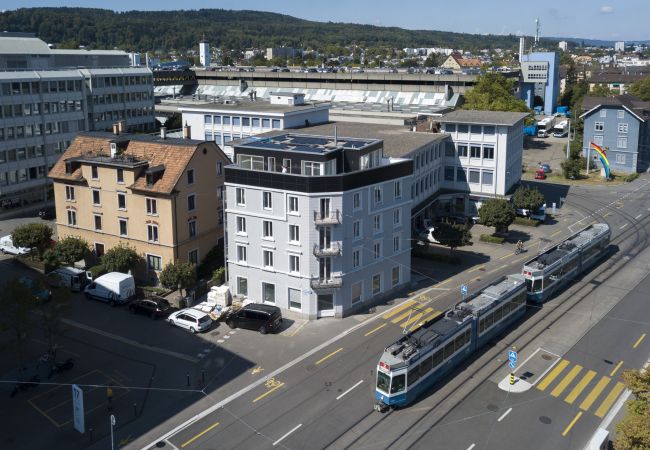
(512, 378)
(188, 379)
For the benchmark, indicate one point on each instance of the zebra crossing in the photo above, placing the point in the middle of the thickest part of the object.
(411, 315)
(578, 383)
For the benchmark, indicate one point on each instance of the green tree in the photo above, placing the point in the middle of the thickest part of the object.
(528, 198)
(17, 318)
(600, 90)
(433, 60)
(497, 213)
(71, 249)
(572, 167)
(641, 88)
(452, 235)
(494, 92)
(633, 432)
(121, 258)
(37, 236)
(178, 275)
(51, 316)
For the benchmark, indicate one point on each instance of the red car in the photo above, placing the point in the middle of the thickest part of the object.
(540, 174)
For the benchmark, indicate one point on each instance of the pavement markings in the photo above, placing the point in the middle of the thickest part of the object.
(475, 269)
(188, 442)
(582, 384)
(416, 317)
(425, 320)
(636, 344)
(287, 434)
(471, 447)
(618, 366)
(553, 374)
(609, 400)
(400, 308)
(300, 327)
(607, 214)
(595, 392)
(375, 329)
(349, 390)
(571, 424)
(328, 356)
(639, 216)
(273, 385)
(507, 256)
(623, 226)
(556, 233)
(562, 385)
(404, 315)
(503, 416)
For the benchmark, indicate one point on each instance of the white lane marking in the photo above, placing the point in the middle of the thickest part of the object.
(623, 226)
(471, 447)
(287, 434)
(130, 342)
(503, 416)
(638, 217)
(348, 391)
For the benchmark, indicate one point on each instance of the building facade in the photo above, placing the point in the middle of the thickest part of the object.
(318, 225)
(161, 196)
(46, 99)
(540, 77)
(620, 126)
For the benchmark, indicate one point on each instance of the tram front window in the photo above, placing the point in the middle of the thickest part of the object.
(383, 381)
(398, 384)
(534, 285)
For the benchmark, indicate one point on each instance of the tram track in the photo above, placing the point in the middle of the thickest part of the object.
(640, 238)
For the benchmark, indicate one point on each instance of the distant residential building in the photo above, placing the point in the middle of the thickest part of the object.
(456, 62)
(619, 46)
(237, 119)
(563, 45)
(318, 225)
(136, 61)
(281, 52)
(48, 96)
(204, 54)
(620, 125)
(161, 196)
(540, 77)
(617, 81)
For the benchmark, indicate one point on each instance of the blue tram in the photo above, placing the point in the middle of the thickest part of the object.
(548, 272)
(418, 359)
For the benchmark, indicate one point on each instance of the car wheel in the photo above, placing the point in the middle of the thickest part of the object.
(263, 329)
(171, 322)
(231, 324)
(192, 330)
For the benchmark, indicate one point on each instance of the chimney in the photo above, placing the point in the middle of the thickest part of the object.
(116, 129)
(163, 132)
(187, 131)
(121, 126)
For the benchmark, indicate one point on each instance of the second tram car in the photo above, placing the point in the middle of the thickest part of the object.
(412, 364)
(551, 270)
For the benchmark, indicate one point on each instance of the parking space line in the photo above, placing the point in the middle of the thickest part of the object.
(572, 423)
(636, 344)
(185, 444)
(618, 366)
(595, 392)
(401, 307)
(328, 356)
(375, 329)
(609, 400)
(300, 327)
(582, 384)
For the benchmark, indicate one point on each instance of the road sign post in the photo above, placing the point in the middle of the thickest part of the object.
(512, 358)
(463, 291)
(112, 426)
(78, 409)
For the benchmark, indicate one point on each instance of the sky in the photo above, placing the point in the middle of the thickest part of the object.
(590, 19)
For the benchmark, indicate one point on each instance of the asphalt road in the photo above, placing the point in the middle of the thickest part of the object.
(324, 399)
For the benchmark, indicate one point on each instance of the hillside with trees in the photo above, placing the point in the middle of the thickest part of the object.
(233, 30)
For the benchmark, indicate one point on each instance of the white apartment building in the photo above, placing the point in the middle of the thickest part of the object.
(46, 98)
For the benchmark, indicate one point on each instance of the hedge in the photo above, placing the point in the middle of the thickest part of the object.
(526, 221)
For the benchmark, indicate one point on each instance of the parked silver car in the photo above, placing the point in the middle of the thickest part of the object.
(190, 319)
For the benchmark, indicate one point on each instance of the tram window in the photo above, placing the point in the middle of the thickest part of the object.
(448, 350)
(414, 374)
(537, 285)
(437, 358)
(498, 313)
(489, 320)
(426, 365)
(398, 384)
(383, 381)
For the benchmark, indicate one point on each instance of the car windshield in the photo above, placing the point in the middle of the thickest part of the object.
(398, 384)
(383, 381)
(204, 319)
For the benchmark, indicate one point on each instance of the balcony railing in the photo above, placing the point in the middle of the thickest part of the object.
(333, 282)
(323, 218)
(333, 250)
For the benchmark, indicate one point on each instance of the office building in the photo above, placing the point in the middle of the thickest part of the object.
(619, 46)
(282, 52)
(204, 54)
(563, 45)
(540, 77)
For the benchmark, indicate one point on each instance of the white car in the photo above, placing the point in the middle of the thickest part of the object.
(428, 235)
(190, 319)
(7, 247)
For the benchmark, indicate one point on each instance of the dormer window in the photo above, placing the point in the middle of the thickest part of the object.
(150, 179)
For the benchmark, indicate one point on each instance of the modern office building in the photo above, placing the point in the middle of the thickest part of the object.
(540, 77)
(318, 225)
(619, 46)
(48, 96)
(204, 54)
(237, 119)
(159, 195)
(620, 126)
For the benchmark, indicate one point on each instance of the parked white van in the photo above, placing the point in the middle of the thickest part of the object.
(113, 287)
(7, 247)
(70, 277)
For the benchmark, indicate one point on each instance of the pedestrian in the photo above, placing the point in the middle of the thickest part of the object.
(109, 398)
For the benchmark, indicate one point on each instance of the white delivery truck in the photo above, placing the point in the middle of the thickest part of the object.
(70, 277)
(545, 126)
(7, 247)
(561, 129)
(113, 287)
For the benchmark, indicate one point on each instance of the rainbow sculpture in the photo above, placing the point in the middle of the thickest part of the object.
(603, 157)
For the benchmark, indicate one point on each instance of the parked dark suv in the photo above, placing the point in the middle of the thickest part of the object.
(151, 308)
(256, 316)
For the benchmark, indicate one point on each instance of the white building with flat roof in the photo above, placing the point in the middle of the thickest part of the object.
(204, 54)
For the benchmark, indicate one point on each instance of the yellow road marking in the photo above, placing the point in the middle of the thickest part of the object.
(444, 282)
(476, 268)
(556, 233)
(417, 317)
(185, 444)
(580, 387)
(302, 325)
(375, 329)
(609, 400)
(256, 370)
(595, 392)
(553, 374)
(405, 314)
(573, 422)
(618, 366)
(607, 214)
(506, 256)
(328, 356)
(425, 320)
(401, 307)
(566, 381)
(636, 344)
(277, 386)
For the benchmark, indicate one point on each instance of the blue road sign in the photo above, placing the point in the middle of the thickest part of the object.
(463, 289)
(512, 356)
(512, 364)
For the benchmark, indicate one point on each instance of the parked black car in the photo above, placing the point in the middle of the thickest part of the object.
(256, 316)
(47, 213)
(150, 307)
